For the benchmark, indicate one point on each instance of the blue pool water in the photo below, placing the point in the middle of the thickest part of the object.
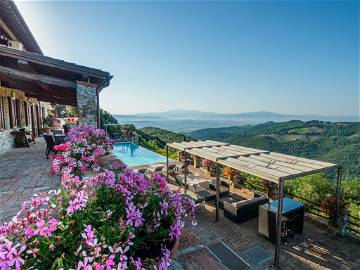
(135, 155)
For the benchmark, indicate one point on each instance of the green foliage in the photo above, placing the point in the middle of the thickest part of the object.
(47, 122)
(106, 118)
(314, 188)
(164, 135)
(156, 139)
(64, 111)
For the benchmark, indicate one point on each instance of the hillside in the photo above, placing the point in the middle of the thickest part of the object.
(157, 138)
(164, 135)
(334, 142)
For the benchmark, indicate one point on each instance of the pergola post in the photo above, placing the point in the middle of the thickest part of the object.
(98, 114)
(338, 193)
(278, 222)
(217, 191)
(167, 163)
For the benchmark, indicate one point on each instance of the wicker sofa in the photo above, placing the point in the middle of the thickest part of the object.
(245, 209)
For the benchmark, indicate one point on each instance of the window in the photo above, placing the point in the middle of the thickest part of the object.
(17, 113)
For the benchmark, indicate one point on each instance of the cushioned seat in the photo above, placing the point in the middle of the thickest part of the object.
(245, 209)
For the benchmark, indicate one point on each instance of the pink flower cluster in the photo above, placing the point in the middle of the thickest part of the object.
(78, 203)
(66, 227)
(81, 152)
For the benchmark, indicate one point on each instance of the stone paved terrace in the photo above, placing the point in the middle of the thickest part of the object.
(315, 249)
(25, 171)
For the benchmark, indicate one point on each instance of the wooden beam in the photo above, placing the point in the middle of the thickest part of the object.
(42, 93)
(7, 30)
(55, 63)
(71, 102)
(27, 76)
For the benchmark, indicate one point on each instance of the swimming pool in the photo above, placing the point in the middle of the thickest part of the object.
(135, 155)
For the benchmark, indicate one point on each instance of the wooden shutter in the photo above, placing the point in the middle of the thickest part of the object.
(26, 111)
(11, 112)
(2, 114)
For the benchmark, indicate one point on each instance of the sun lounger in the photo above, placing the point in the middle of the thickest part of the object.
(155, 168)
(141, 170)
(170, 169)
(181, 178)
(179, 167)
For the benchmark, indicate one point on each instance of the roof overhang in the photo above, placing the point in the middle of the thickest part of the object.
(45, 78)
(13, 19)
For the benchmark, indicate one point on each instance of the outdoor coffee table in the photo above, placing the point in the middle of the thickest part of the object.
(203, 195)
(231, 198)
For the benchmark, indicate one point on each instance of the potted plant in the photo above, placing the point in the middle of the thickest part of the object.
(329, 204)
(205, 165)
(229, 173)
(47, 123)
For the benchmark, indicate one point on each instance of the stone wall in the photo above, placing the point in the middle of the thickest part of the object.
(86, 103)
(6, 141)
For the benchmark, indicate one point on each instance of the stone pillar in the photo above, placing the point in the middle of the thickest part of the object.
(87, 103)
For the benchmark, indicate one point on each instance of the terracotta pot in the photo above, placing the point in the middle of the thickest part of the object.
(174, 249)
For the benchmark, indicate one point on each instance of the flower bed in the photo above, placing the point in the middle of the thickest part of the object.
(81, 152)
(117, 219)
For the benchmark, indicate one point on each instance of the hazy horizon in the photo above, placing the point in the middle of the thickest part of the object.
(245, 112)
(298, 58)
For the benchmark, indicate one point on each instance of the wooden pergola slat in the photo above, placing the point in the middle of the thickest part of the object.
(268, 164)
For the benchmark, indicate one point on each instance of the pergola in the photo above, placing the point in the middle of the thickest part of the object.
(270, 166)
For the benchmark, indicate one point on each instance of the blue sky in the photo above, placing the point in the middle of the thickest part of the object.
(288, 57)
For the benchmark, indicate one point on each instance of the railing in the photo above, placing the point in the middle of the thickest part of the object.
(352, 223)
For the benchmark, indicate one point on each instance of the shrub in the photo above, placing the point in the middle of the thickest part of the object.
(206, 163)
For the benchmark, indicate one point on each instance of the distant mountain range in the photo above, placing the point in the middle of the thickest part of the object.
(259, 116)
(190, 120)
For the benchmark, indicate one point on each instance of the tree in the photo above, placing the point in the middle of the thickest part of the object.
(107, 118)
